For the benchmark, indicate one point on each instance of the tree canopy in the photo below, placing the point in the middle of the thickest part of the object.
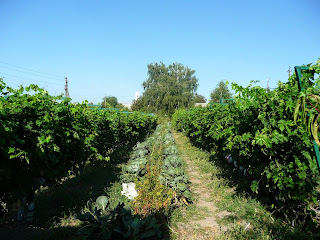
(109, 101)
(221, 91)
(137, 105)
(168, 88)
(199, 98)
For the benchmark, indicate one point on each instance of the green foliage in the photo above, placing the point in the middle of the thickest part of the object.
(173, 172)
(152, 197)
(138, 105)
(122, 107)
(45, 136)
(221, 91)
(137, 163)
(167, 88)
(102, 202)
(199, 99)
(173, 176)
(259, 132)
(117, 223)
(109, 102)
(309, 101)
(172, 169)
(159, 175)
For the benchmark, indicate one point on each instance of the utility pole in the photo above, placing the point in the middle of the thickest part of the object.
(289, 71)
(268, 88)
(66, 89)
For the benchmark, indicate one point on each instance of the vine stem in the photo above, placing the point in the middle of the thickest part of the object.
(313, 106)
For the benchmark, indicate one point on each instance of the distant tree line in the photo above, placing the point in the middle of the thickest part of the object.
(111, 102)
(168, 88)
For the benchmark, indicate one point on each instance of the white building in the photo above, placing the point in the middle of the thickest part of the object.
(201, 104)
(127, 105)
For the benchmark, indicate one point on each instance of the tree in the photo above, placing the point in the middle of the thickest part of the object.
(122, 107)
(168, 88)
(199, 99)
(221, 91)
(109, 101)
(137, 105)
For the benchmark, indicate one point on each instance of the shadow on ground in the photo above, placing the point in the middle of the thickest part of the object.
(64, 201)
(71, 195)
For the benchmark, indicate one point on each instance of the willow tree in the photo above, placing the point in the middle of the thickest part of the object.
(169, 87)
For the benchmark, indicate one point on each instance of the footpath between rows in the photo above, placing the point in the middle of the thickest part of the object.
(204, 219)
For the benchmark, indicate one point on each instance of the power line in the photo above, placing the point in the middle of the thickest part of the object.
(30, 69)
(30, 79)
(30, 73)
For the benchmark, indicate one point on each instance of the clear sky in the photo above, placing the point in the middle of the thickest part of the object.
(104, 47)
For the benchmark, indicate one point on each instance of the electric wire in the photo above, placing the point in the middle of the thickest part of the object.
(30, 69)
(31, 73)
(30, 79)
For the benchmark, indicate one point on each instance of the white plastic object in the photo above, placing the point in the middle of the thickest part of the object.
(129, 190)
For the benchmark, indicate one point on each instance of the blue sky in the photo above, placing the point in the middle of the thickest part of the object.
(104, 47)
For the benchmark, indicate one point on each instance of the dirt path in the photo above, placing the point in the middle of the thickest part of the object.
(202, 220)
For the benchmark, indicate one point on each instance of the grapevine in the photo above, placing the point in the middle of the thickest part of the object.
(266, 133)
(44, 137)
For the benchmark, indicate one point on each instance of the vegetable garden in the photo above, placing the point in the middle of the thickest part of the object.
(45, 139)
(269, 139)
(159, 176)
